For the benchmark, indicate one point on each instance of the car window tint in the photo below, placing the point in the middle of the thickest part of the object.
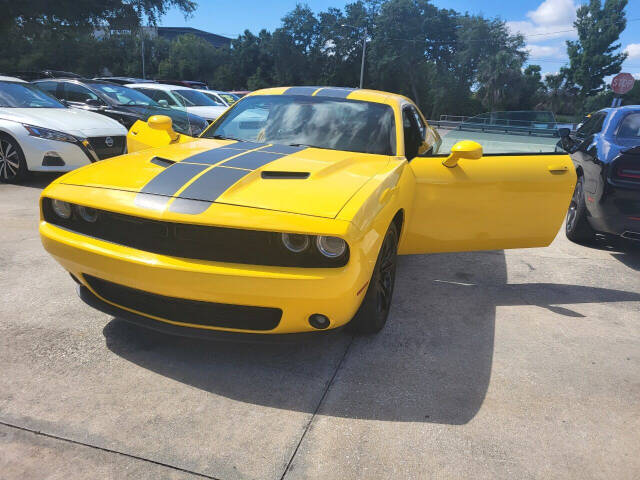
(592, 125)
(630, 126)
(412, 135)
(159, 95)
(78, 93)
(48, 87)
(419, 122)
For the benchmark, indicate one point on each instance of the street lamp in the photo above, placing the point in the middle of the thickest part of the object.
(364, 49)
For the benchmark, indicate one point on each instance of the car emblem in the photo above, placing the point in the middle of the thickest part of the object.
(108, 142)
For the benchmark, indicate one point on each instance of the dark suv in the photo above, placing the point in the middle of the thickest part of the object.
(123, 104)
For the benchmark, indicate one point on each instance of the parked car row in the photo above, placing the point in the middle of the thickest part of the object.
(61, 121)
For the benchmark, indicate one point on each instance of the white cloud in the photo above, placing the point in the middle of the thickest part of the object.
(636, 75)
(633, 50)
(552, 19)
(545, 51)
(554, 12)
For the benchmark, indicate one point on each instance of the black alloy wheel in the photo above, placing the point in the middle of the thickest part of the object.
(12, 164)
(372, 314)
(577, 226)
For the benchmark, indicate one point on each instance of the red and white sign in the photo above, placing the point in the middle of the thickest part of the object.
(622, 83)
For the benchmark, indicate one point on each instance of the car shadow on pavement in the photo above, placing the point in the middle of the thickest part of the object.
(431, 363)
(39, 180)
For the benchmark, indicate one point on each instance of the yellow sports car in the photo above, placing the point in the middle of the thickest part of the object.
(287, 214)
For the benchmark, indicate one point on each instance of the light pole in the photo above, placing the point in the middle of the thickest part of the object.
(364, 50)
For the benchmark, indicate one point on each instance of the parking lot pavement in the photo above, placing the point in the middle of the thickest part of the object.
(517, 364)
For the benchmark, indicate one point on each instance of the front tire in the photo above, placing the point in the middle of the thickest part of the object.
(13, 166)
(577, 225)
(372, 315)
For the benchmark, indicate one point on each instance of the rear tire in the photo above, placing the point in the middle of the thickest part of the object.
(577, 225)
(13, 167)
(372, 315)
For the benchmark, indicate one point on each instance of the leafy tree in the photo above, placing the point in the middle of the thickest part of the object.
(592, 57)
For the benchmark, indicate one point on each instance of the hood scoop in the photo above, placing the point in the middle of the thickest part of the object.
(162, 162)
(271, 174)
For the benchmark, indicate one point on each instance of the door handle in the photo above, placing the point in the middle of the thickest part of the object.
(558, 168)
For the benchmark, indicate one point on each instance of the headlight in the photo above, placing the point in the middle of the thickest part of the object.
(87, 214)
(295, 243)
(62, 209)
(49, 134)
(331, 247)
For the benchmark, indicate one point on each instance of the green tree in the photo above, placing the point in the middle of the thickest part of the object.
(592, 57)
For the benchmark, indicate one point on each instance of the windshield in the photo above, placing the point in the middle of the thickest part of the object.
(336, 124)
(123, 95)
(194, 98)
(24, 95)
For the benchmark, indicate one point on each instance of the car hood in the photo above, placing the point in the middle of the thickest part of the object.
(210, 113)
(308, 181)
(69, 120)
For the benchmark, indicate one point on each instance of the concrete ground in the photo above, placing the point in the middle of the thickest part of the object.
(517, 364)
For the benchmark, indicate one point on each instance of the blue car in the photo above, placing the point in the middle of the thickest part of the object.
(606, 152)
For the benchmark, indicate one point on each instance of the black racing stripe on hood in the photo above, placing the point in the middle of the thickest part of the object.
(188, 206)
(171, 179)
(213, 183)
(285, 149)
(252, 160)
(212, 156)
(335, 92)
(151, 202)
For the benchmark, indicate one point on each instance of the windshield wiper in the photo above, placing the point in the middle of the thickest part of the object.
(308, 146)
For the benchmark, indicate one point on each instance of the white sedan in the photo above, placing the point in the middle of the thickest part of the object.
(181, 98)
(38, 133)
(221, 98)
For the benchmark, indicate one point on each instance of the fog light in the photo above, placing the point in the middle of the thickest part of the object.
(88, 214)
(295, 243)
(62, 209)
(331, 247)
(319, 321)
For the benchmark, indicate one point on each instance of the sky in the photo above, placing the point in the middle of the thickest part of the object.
(546, 24)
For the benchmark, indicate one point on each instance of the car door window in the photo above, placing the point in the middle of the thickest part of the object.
(630, 126)
(412, 135)
(78, 93)
(160, 96)
(48, 87)
(592, 125)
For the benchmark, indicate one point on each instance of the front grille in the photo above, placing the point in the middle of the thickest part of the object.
(199, 242)
(103, 151)
(196, 312)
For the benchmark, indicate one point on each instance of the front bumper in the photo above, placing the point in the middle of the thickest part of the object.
(298, 292)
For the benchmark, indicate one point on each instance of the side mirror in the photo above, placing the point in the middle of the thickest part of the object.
(163, 103)
(566, 142)
(162, 123)
(466, 149)
(92, 102)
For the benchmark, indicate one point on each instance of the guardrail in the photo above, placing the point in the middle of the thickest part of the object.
(506, 129)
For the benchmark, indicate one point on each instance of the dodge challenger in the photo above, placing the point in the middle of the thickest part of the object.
(288, 213)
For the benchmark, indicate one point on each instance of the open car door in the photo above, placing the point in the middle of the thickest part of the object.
(467, 199)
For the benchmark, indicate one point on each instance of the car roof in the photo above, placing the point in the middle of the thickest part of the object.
(335, 92)
(157, 86)
(11, 79)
